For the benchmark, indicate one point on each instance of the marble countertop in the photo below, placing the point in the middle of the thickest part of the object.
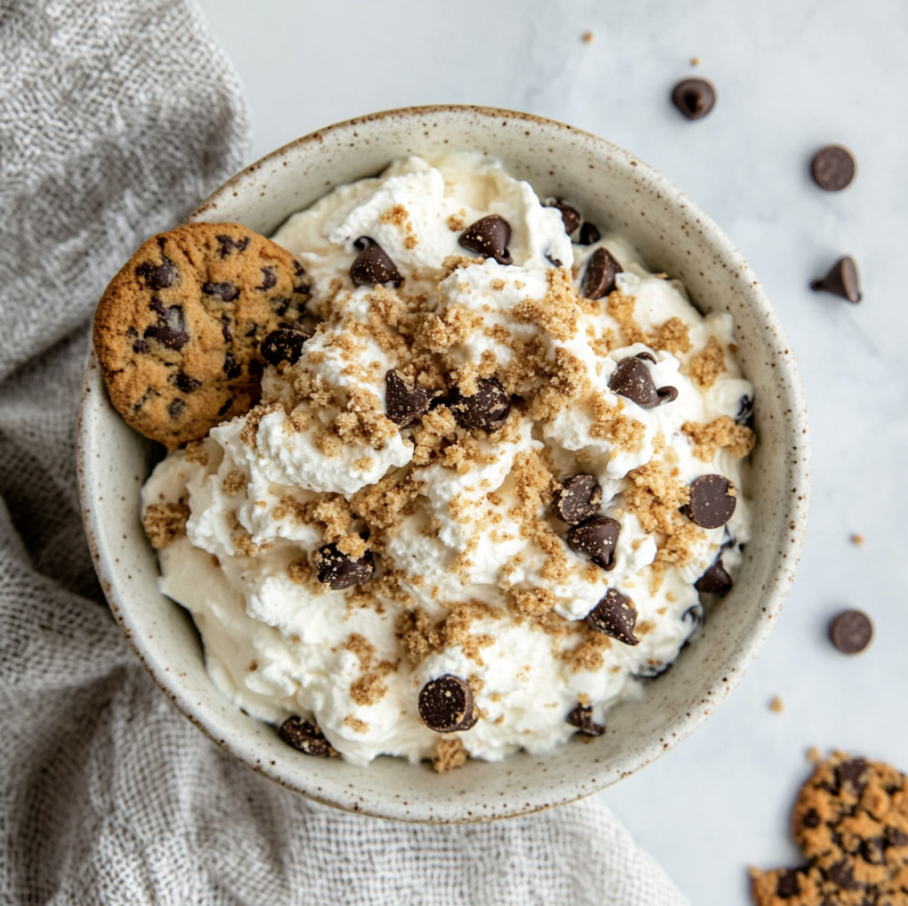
(791, 75)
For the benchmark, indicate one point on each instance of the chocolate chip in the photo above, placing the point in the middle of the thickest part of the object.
(582, 718)
(833, 168)
(811, 818)
(577, 499)
(269, 278)
(232, 368)
(694, 97)
(631, 379)
(186, 383)
(842, 280)
(372, 265)
(223, 410)
(176, 408)
(787, 886)
(300, 285)
(841, 873)
(715, 581)
(599, 276)
(225, 291)
(488, 237)
(589, 233)
(570, 216)
(340, 571)
(710, 505)
(555, 262)
(851, 631)
(170, 329)
(140, 346)
(694, 616)
(305, 736)
(404, 402)
(597, 538)
(873, 850)
(615, 615)
(157, 276)
(852, 772)
(667, 394)
(146, 396)
(486, 409)
(283, 345)
(229, 244)
(226, 332)
(646, 355)
(253, 330)
(745, 411)
(895, 837)
(446, 704)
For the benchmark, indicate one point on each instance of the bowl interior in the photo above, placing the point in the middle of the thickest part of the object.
(618, 192)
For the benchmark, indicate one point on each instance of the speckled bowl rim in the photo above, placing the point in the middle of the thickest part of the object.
(774, 592)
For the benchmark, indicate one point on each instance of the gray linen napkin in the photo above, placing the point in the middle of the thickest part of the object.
(116, 117)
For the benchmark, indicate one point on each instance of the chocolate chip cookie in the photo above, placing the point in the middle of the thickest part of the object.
(177, 332)
(851, 822)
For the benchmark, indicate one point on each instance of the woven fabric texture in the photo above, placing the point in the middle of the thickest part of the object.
(116, 118)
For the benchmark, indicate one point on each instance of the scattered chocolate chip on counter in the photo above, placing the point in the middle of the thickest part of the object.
(695, 98)
(842, 280)
(446, 704)
(851, 631)
(833, 168)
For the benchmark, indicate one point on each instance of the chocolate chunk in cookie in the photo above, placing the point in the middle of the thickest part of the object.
(851, 824)
(446, 704)
(339, 570)
(178, 330)
(305, 737)
(283, 345)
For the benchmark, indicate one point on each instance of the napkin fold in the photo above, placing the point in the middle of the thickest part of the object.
(116, 118)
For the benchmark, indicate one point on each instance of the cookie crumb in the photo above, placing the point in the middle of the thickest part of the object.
(450, 753)
(164, 523)
(694, 61)
(587, 37)
(813, 755)
(777, 705)
(857, 540)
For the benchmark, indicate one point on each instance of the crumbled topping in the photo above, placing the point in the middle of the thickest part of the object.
(609, 424)
(588, 655)
(363, 421)
(450, 753)
(707, 365)
(234, 482)
(165, 522)
(673, 336)
(195, 452)
(558, 314)
(721, 432)
(355, 724)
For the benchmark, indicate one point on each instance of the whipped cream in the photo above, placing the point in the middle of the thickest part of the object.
(473, 576)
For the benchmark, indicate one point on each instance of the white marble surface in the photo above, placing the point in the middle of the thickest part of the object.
(791, 75)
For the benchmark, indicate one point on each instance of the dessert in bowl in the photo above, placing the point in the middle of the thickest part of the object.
(547, 556)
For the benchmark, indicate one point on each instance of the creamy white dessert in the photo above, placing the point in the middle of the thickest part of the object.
(423, 450)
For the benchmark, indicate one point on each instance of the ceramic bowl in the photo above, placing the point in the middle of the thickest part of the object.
(617, 191)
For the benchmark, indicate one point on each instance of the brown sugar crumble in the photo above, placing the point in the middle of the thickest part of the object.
(707, 365)
(721, 432)
(450, 753)
(165, 522)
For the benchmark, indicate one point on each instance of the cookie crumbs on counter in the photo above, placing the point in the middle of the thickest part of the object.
(165, 522)
(450, 753)
(587, 37)
(857, 540)
(776, 705)
(813, 755)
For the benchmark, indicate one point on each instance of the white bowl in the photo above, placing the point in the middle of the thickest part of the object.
(617, 191)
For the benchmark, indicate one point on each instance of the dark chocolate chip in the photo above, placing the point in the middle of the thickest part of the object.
(176, 408)
(228, 245)
(305, 736)
(851, 631)
(577, 499)
(787, 886)
(146, 396)
(852, 772)
(811, 818)
(570, 216)
(589, 233)
(225, 291)
(715, 581)
(404, 402)
(223, 410)
(140, 346)
(486, 409)
(631, 379)
(694, 97)
(269, 278)
(157, 276)
(372, 265)
(599, 276)
(555, 262)
(232, 368)
(256, 368)
(253, 330)
(745, 411)
(283, 345)
(340, 571)
(842, 280)
(446, 704)
(841, 873)
(615, 615)
(711, 505)
(597, 538)
(186, 383)
(896, 837)
(833, 168)
(582, 718)
(488, 237)
(646, 355)
(170, 330)
(667, 394)
(873, 850)
(226, 331)
(300, 285)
